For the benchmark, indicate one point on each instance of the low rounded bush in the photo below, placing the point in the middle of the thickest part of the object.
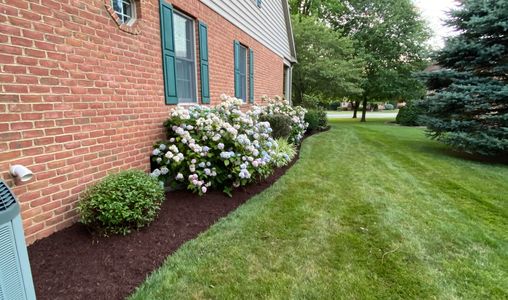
(316, 118)
(334, 106)
(409, 115)
(121, 202)
(280, 124)
(389, 106)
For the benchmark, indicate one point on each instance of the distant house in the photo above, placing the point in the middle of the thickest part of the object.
(433, 68)
(86, 85)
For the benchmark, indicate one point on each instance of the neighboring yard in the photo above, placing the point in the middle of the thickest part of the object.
(384, 114)
(369, 211)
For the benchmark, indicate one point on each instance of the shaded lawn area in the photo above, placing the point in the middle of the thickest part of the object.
(369, 211)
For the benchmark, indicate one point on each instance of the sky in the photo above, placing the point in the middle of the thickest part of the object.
(434, 11)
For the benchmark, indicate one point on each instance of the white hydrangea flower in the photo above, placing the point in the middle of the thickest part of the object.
(155, 173)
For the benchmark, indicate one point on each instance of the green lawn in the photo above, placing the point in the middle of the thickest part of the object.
(350, 112)
(369, 211)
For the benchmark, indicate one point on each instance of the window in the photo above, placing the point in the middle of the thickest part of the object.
(179, 66)
(243, 73)
(125, 10)
(185, 58)
(285, 82)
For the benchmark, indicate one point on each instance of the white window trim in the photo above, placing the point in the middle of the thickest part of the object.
(195, 54)
(133, 8)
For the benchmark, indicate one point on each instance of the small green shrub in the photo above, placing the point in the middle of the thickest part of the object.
(389, 106)
(334, 106)
(284, 153)
(409, 114)
(121, 202)
(280, 124)
(317, 119)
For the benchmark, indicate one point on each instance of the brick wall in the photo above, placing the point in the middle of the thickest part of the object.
(81, 98)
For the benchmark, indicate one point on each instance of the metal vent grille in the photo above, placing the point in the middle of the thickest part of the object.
(6, 197)
(11, 280)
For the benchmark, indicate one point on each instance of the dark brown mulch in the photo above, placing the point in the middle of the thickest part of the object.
(71, 264)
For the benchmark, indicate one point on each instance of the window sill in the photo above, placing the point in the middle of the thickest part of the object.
(188, 104)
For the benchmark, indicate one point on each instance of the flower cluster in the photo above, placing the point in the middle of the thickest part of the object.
(296, 113)
(220, 147)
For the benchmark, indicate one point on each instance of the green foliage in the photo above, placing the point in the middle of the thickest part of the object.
(334, 106)
(468, 106)
(482, 46)
(296, 113)
(280, 124)
(327, 65)
(284, 153)
(316, 118)
(409, 114)
(389, 40)
(121, 202)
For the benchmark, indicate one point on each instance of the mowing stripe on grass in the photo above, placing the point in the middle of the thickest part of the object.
(369, 211)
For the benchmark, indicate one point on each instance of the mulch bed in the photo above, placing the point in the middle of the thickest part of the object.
(73, 264)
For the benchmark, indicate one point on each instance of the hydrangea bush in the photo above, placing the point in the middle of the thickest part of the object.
(220, 147)
(296, 113)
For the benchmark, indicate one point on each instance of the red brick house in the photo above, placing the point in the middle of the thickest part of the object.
(86, 85)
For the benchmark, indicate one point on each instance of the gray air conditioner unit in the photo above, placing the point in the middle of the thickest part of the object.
(15, 275)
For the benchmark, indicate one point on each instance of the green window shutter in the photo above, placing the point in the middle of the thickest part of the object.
(168, 52)
(251, 76)
(203, 62)
(237, 69)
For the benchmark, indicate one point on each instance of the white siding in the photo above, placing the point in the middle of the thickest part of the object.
(267, 23)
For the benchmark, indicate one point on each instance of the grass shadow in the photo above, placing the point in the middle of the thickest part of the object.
(494, 160)
(449, 152)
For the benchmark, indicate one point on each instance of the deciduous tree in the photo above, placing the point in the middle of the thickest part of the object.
(388, 35)
(327, 65)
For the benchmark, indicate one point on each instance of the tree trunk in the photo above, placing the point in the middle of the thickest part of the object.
(356, 104)
(364, 110)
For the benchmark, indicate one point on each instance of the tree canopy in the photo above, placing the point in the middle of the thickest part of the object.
(468, 108)
(387, 35)
(327, 64)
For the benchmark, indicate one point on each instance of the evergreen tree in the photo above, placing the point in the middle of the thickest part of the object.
(468, 106)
